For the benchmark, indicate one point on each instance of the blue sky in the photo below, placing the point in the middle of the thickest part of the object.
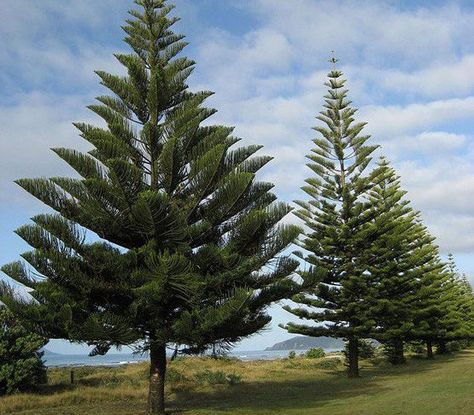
(409, 64)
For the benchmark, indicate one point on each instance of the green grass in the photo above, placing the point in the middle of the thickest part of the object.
(298, 386)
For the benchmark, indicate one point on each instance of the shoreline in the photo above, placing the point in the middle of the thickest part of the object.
(114, 360)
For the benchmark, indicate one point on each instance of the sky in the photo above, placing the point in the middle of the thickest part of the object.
(409, 66)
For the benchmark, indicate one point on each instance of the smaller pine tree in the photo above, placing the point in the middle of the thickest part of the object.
(337, 216)
(400, 253)
(21, 366)
(458, 319)
(432, 310)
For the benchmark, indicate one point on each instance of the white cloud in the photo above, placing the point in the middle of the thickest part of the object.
(454, 78)
(392, 120)
(233, 64)
(369, 31)
(454, 233)
(46, 43)
(29, 129)
(24, 17)
(431, 143)
(441, 187)
(269, 83)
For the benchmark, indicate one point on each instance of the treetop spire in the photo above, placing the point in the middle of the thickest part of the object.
(333, 59)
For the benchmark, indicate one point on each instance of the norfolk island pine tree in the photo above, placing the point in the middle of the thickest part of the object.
(409, 286)
(413, 295)
(462, 307)
(400, 255)
(337, 217)
(445, 312)
(190, 249)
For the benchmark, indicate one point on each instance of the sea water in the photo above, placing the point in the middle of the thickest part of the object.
(117, 359)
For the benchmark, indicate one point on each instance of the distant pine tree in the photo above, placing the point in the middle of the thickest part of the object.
(458, 318)
(435, 318)
(413, 294)
(338, 217)
(401, 253)
(190, 241)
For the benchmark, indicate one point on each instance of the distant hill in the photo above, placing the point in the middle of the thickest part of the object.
(49, 353)
(306, 342)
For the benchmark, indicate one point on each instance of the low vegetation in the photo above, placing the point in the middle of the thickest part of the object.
(21, 366)
(298, 386)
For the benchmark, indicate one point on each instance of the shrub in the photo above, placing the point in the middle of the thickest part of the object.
(174, 376)
(227, 358)
(366, 349)
(218, 377)
(21, 367)
(457, 345)
(111, 380)
(233, 379)
(315, 353)
(331, 363)
(292, 355)
(416, 347)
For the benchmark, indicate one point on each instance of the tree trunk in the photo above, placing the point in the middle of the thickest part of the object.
(429, 349)
(396, 356)
(353, 358)
(156, 392)
(175, 354)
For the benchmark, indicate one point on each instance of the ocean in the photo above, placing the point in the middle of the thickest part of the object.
(64, 360)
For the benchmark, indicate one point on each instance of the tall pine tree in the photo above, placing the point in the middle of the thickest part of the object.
(189, 249)
(337, 217)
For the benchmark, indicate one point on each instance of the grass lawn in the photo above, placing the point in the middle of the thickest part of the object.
(298, 386)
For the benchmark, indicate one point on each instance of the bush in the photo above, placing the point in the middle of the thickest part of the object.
(21, 367)
(109, 380)
(328, 364)
(292, 355)
(416, 347)
(233, 379)
(174, 376)
(457, 345)
(393, 350)
(211, 378)
(218, 377)
(366, 349)
(315, 353)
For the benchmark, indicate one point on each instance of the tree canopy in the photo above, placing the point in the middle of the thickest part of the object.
(189, 242)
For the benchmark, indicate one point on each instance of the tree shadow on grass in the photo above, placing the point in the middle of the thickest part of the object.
(303, 393)
(54, 388)
(412, 366)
